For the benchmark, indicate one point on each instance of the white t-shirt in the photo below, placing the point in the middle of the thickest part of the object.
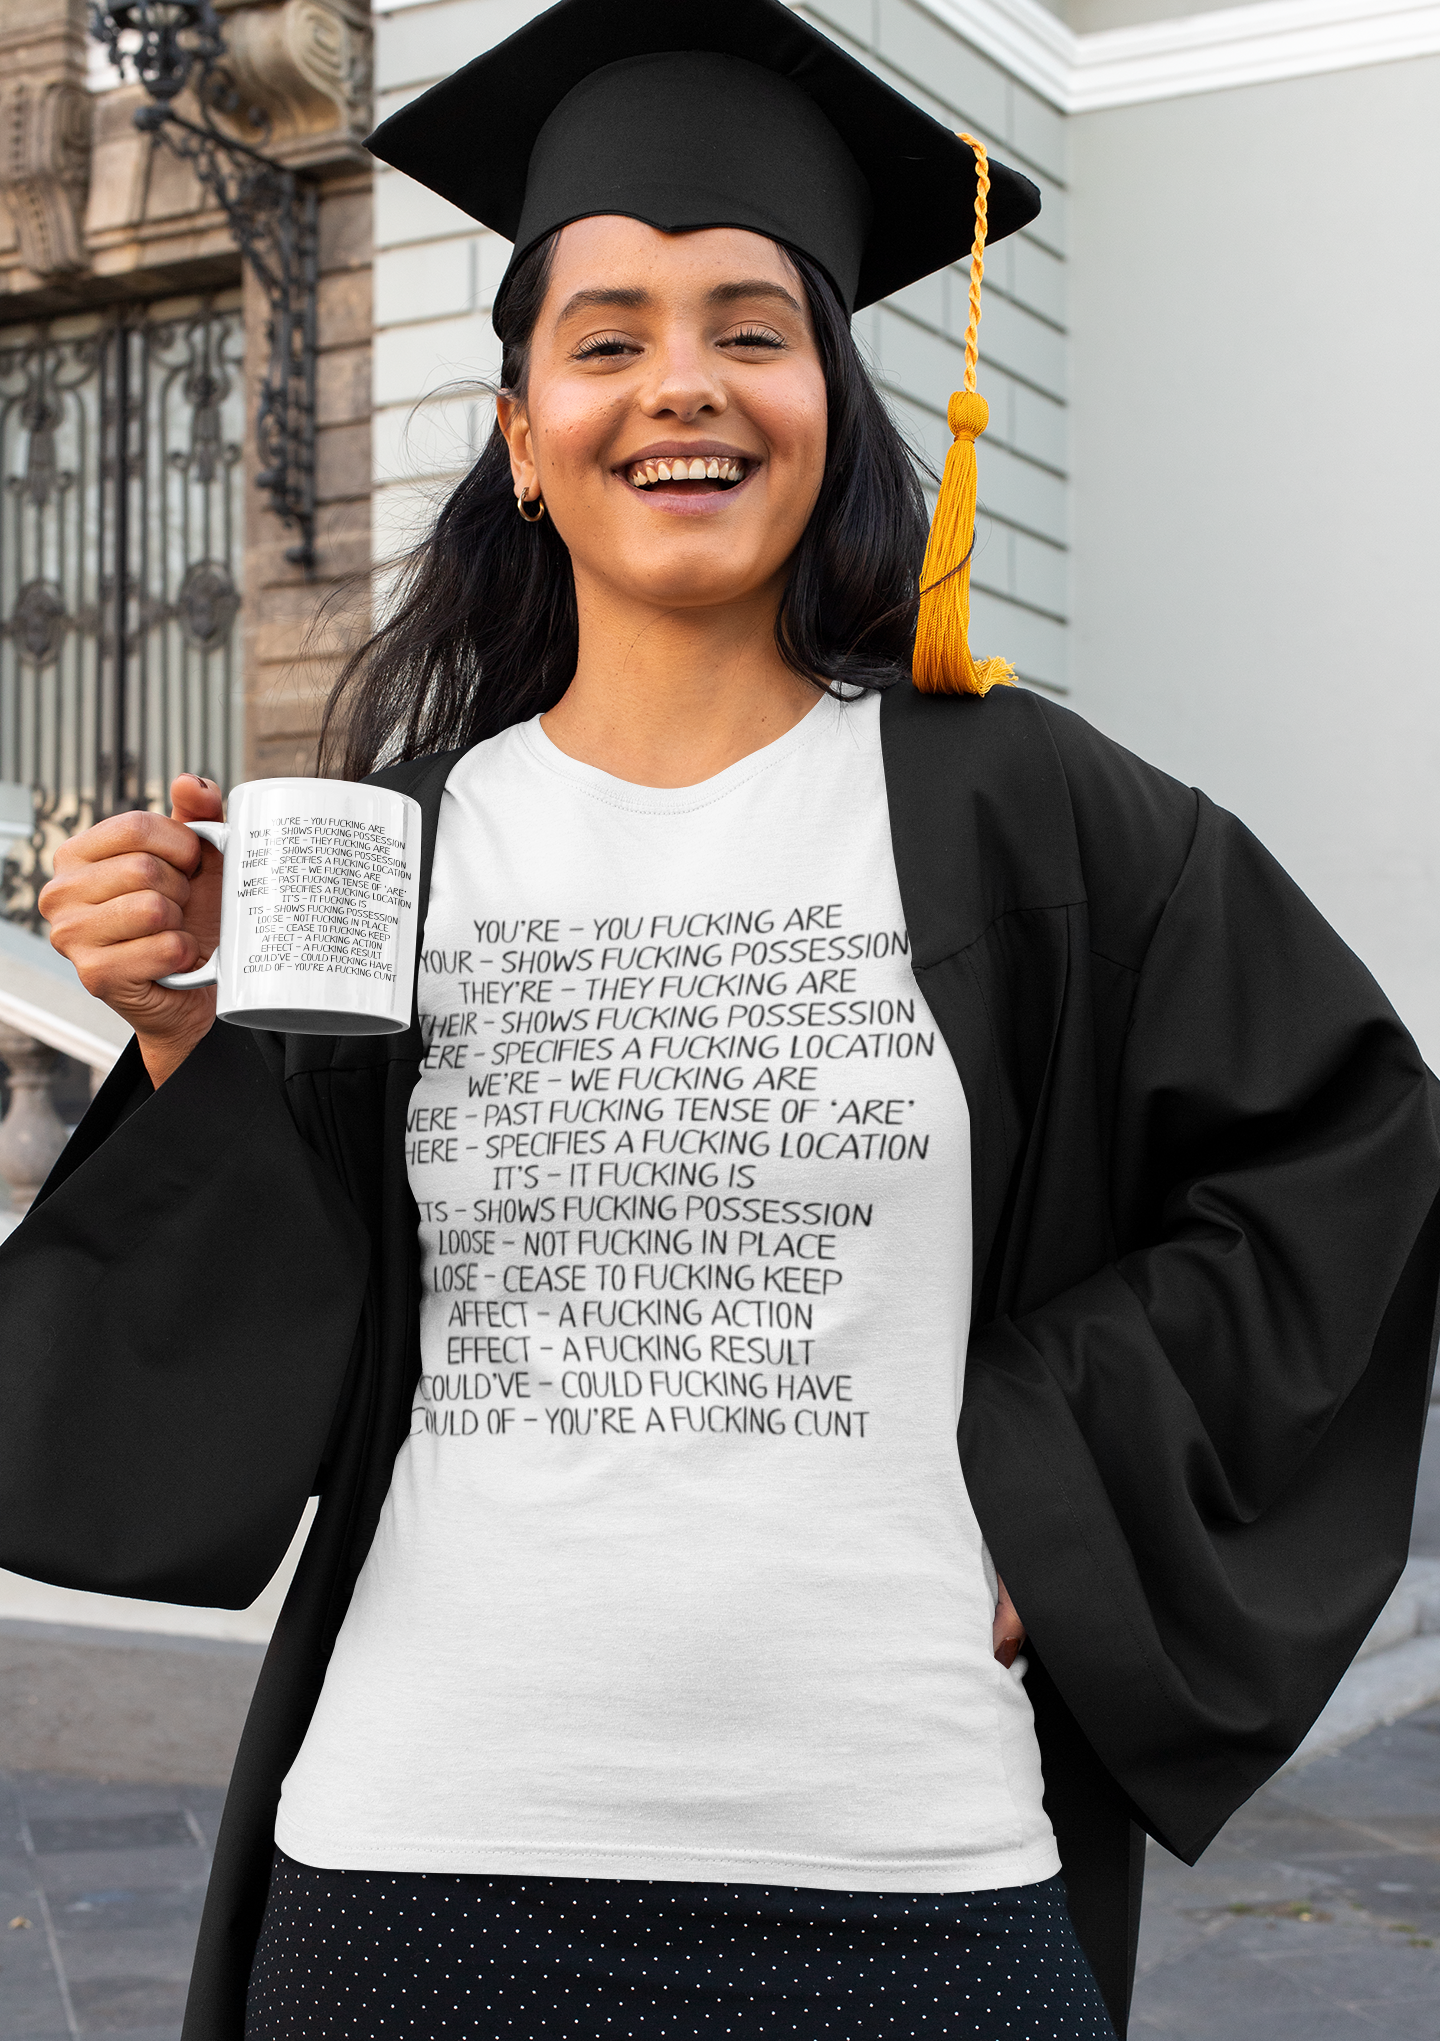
(677, 1577)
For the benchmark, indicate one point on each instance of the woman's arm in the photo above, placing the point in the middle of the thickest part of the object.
(132, 900)
(1195, 1468)
(178, 1312)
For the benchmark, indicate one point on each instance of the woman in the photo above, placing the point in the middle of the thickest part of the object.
(780, 1031)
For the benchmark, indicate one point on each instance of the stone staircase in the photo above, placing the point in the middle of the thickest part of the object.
(46, 1017)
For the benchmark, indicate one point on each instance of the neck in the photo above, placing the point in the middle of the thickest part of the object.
(667, 697)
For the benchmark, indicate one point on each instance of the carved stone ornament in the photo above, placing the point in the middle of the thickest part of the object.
(45, 170)
(207, 605)
(307, 66)
(38, 622)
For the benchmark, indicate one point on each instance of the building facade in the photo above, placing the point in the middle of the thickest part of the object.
(1255, 428)
(150, 619)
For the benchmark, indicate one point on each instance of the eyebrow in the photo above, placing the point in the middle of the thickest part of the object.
(754, 287)
(623, 299)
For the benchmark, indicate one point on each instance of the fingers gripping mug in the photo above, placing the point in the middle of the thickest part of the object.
(318, 908)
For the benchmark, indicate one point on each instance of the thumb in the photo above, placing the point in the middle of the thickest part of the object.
(193, 799)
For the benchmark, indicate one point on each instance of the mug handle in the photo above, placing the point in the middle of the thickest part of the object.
(217, 833)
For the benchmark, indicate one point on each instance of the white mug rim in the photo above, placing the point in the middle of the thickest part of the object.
(366, 787)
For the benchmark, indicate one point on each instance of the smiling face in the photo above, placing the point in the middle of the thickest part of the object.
(674, 417)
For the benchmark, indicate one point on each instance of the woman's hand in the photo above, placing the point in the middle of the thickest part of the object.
(1008, 1632)
(132, 900)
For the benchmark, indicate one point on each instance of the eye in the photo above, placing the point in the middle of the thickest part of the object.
(754, 337)
(603, 347)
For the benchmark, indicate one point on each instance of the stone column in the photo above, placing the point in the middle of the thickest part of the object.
(307, 63)
(45, 132)
(298, 629)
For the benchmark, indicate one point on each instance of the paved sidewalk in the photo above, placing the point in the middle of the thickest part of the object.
(121, 1704)
(100, 1891)
(1314, 1917)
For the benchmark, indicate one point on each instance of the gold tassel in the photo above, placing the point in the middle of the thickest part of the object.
(942, 662)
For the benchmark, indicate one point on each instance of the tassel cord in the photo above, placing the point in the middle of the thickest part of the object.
(942, 662)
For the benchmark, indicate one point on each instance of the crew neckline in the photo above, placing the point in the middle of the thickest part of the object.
(641, 800)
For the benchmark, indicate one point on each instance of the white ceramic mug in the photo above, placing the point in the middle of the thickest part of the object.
(317, 908)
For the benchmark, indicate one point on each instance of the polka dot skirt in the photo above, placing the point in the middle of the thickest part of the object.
(452, 1958)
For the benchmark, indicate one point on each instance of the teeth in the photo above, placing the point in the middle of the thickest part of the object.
(701, 468)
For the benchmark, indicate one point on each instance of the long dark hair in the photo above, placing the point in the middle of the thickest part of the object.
(482, 630)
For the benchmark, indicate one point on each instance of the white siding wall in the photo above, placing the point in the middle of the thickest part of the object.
(1256, 430)
(435, 274)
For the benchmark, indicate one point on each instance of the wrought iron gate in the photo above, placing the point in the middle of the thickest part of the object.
(121, 540)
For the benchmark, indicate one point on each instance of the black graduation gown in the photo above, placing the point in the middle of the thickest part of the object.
(1206, 1252)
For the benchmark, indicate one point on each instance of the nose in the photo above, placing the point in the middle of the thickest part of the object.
(683, 382)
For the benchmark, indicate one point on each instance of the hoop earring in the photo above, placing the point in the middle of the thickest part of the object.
(520, 502)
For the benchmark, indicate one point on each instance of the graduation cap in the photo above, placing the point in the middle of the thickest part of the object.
(732, 113)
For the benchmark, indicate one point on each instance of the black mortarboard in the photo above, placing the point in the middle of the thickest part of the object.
(702, 113)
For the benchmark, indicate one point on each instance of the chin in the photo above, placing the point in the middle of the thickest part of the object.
(694, 576)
